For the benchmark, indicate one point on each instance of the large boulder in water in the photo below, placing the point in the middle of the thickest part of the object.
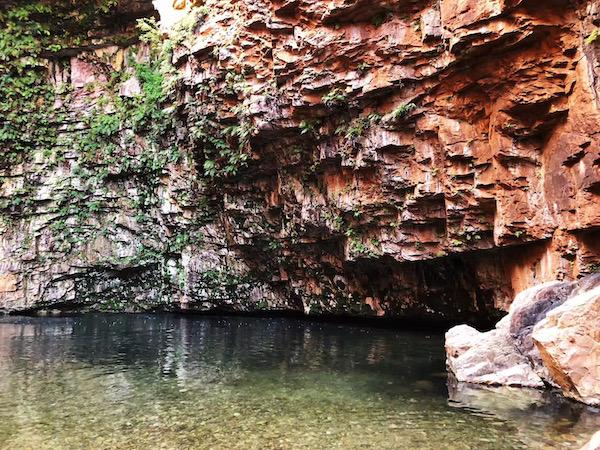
(488, 358)
(506, 355)
(551, 335)
(568, 341)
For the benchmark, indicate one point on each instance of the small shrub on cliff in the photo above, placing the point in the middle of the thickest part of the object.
(186, 26)
(335, 97)
(357, 127)
(402, 111)
(310, 127)
(235, 83)
(221, 158)
(150, 31)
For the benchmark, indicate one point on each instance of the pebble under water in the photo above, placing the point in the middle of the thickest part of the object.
(182, 382)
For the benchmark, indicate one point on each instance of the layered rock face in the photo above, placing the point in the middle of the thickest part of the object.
(399, 159)
(549, 337)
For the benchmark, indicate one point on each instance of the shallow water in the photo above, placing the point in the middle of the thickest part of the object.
(167, 381)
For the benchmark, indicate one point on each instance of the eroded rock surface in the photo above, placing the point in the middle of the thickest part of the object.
(400, 159)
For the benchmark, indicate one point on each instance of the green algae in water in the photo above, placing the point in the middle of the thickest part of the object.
(172, 382)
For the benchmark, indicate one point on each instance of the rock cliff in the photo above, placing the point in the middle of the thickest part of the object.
(417, 159)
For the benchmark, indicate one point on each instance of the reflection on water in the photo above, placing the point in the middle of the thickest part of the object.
(166, 381)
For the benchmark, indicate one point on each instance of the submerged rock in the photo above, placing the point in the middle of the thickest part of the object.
(551, 335)
(504, 403)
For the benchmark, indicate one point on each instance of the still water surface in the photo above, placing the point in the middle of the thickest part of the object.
(174, 382)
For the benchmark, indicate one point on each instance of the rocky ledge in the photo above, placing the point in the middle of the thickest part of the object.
(549, 338)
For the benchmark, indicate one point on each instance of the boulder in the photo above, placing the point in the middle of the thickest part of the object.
(551, 335)
(506, 355)
(488, 358)
(528, 308)
(568, 341)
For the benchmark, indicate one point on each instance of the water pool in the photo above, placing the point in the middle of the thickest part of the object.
(181, 382)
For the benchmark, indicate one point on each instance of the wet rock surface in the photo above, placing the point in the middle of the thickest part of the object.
(418, 160)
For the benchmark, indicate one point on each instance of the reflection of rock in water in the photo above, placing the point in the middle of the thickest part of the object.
(498, 401)
(552, 413)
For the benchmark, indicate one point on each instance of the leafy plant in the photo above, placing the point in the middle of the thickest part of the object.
(235, 83)
(335, 97)
(402, 111)
(222, 159)
(310, 127)
(178, 242)
(357, 127)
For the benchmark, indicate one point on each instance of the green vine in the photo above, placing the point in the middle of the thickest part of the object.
(30, 33)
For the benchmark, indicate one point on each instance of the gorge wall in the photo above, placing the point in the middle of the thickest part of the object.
(415, 159)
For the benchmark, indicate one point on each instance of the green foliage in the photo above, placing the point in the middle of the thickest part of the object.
(223, 283)
(105, 125)
(25, 96)
(273, 245)
(357, 127)
(144, 115)
(150, 31)
(402, 111)
(335, 221)
(360, 249)
(593, 37)
(30, 29)
(235, 83)
(183, 29)
(178, 242)
(310, 127)
(221, 158)
(335, 97)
